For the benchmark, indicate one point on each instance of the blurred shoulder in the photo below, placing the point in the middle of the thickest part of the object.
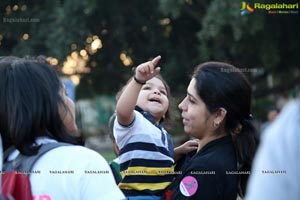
(77, 152)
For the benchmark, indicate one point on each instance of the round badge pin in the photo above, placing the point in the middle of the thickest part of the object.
(188, 186)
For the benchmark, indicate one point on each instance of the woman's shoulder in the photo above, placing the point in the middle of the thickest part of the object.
(214, 160)
(72, 155)
(77, 152)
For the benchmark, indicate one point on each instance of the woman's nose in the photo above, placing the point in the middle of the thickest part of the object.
(181, 105)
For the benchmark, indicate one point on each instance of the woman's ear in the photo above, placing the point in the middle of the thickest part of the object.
(220, 115)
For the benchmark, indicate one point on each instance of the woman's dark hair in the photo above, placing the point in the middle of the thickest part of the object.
(222, 85)
(30, 103)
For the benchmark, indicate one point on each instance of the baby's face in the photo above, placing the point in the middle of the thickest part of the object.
(153, 98)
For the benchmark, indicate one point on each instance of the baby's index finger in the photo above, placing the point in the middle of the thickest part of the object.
(156, 60)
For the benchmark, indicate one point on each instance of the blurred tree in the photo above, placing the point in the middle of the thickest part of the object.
(110, 37)
(263, 45)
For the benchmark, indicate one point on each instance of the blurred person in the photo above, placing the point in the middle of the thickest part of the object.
(275, 174)
(216, 111)
(282, 99)
(115, 163)
(36, 111)
(271, 116)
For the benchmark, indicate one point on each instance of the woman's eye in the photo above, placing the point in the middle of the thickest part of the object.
(191, 100)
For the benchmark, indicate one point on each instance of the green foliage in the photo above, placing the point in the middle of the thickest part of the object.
(184, 33)
(108, 155)
(171, 7)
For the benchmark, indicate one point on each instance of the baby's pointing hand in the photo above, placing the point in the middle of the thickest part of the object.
(147, 70)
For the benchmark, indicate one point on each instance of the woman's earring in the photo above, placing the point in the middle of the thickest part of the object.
(216, 124)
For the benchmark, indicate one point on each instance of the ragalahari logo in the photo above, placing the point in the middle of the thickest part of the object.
(246, 8)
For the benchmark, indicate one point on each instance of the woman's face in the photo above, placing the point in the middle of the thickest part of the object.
(68, 115)
(196, 119)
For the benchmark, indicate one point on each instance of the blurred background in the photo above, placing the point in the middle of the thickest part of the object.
(94, 44)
